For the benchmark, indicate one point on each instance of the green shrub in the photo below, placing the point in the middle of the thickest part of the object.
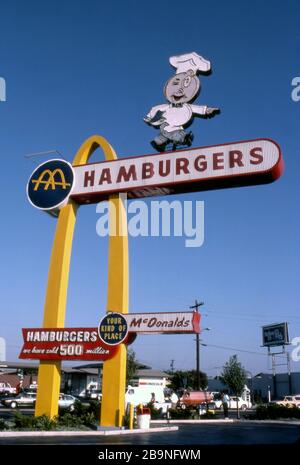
(42, 423)
(80, 409)
(78, 418)
(181, 413)
(274, 411)
(208, 415)
(127, 420)
(154, 412)
(3, 425)
(89, 420)
(95, 409)
(82, 416)
(22, 421)
(68, 420)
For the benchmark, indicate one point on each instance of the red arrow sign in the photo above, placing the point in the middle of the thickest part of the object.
(65, 344)
(163, 323)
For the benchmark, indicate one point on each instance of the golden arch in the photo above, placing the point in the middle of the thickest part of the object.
(51, 180)
(112, 411)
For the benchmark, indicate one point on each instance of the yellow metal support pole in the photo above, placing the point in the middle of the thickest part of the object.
(131, 413)
(114, 370)
(55, 309)
(56, 296)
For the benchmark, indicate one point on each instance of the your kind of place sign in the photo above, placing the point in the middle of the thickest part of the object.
(229, 165)
(102, 343)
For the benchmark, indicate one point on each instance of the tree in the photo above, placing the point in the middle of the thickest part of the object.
(187, 380)
(131, 366)
(234, 375)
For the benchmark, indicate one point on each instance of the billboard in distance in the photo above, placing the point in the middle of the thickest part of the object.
(275, 335)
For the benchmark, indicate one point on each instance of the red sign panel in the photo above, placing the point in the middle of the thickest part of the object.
(65, 344)
(163, 323)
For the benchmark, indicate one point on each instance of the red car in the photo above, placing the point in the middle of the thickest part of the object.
(195, 398)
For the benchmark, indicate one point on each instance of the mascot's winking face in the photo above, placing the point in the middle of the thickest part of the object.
(182, 88)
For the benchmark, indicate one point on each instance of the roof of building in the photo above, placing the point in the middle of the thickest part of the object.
(151, 374)
(14, 366)
(14, 380)
(100, 365)
(6, 364)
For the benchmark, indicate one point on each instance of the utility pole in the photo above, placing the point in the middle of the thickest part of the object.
(197, 306)
(288, 360)
(172, 366)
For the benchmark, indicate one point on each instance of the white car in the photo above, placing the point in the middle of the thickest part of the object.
(217, 399)
(289, 401)
(21, 400)
(94, 394)
(243, 404)
(67, 402)
(6, 389)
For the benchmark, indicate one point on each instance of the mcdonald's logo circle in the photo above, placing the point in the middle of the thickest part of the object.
(50, 185)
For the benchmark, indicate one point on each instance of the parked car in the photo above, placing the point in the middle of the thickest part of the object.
(31, 388)
(6, 389)
(94, 394)
(195, 398)
(289, 401)
(243, 404)
(67, 402)
(217, 396)
(25, 399)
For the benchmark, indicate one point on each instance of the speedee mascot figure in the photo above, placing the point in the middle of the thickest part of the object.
(180, 91)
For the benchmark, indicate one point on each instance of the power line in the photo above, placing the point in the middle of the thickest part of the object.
(254, 317)
(31, 156)
(260, 318)
(235, 349)
(41, 154)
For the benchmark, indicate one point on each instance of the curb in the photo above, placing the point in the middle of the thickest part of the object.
(196, 422)
(229, 421)
(20, 434)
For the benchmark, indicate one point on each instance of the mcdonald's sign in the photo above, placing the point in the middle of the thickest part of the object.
(50, 185)
(232, 164)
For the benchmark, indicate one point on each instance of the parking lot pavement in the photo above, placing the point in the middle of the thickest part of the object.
(7, 413)
(242, 433)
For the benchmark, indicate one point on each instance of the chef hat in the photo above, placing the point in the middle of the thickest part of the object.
(190, 61)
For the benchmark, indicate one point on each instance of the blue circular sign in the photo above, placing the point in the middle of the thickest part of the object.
(50, 184)
(113, 329)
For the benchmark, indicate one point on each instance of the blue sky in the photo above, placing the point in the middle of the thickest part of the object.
(74, 69)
